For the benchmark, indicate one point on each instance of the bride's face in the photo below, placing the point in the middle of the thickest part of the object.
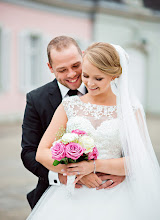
(95, 81)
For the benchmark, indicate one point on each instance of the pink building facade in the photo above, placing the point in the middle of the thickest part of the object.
(25, 32)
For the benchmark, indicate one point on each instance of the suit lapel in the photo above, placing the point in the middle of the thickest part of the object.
(55, 96)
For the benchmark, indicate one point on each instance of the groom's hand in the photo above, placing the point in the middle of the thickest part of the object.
(62, 179)
(91, 180)
(111, 180)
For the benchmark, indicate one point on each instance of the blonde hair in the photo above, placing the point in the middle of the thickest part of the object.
(105, 57)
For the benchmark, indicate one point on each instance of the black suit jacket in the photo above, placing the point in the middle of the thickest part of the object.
(40, 107)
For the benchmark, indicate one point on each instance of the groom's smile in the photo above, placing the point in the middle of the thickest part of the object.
(67, 66)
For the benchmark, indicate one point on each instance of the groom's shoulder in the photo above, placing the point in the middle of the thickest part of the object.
(42, 91)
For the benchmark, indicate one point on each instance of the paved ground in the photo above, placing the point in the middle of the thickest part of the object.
(16, 181)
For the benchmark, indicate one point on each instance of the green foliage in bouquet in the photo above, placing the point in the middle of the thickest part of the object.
(64, 161)
(60, 133)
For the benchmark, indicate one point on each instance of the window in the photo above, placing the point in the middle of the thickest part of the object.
(4, 59)
(0, 59)
(32, 59)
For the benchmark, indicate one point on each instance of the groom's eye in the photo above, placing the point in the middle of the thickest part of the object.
(62, 71)
(76, 66)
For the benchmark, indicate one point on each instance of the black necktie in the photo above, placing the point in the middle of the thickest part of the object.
(72, 92)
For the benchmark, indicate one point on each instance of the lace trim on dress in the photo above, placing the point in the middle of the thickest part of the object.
(73, 106)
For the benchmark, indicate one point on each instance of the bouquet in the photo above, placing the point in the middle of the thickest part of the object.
(73, 147)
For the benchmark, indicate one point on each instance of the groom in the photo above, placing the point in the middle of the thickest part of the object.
(65, 61)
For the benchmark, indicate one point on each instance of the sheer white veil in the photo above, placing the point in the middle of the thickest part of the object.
(142, 168)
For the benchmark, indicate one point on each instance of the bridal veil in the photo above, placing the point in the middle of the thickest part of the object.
(142, 168)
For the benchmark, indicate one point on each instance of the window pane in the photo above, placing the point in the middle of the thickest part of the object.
(34, 60)
(1, 60)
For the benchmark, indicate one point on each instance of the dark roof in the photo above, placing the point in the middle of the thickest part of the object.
(117, 1)
(153, 4)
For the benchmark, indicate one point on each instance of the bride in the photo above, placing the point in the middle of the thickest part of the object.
(115, 119)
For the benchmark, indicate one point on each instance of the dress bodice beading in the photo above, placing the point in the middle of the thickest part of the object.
(98, 121)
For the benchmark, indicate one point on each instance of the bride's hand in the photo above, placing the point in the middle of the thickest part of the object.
(81, 169)
(61, 168)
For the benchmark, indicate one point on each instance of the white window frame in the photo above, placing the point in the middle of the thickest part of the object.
(5, 55)
(24, 61)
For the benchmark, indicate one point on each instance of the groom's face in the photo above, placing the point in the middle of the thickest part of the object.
(67, 66)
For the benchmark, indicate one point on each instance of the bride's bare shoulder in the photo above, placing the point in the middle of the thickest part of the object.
(84, 98)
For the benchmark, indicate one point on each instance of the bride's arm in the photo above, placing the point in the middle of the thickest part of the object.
(44, 155)
(111, 166)
(108, 166)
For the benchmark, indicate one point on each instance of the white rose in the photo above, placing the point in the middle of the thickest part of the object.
(87, 143)
(69, 137)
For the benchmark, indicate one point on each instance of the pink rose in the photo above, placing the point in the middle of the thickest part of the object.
(58, 151)
(74, 151)
(79, 132)
(93, 154)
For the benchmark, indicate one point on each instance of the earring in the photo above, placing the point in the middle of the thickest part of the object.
(113, 78)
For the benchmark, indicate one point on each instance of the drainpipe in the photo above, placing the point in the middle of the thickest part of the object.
(93, 17)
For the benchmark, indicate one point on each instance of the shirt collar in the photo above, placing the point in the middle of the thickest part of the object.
(64, 90)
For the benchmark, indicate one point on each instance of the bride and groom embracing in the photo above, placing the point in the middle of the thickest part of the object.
(115, 120)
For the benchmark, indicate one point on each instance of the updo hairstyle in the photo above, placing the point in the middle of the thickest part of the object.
(105, 57)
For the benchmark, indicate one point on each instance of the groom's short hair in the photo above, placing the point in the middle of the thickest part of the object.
(59, 43)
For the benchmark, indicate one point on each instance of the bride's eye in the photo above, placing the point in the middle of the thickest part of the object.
(99, 79)
(85, 76)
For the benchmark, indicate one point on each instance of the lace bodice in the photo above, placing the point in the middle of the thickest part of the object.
(99, 122)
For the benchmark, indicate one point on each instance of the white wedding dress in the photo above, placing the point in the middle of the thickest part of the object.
(101, 123)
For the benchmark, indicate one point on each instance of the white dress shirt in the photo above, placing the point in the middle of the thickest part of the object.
(53, 176)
